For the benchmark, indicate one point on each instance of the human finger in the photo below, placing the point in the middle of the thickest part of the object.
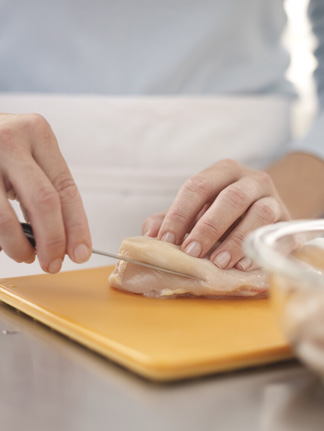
(151, 225)
(12, 238)
(25, 213)
(193, 196)
(245, 264)
(49, 157)
(38, 196)
(230, 204)
(230, 252)
(11, 194)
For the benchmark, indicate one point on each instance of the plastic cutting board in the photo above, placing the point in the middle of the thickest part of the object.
(160, 339)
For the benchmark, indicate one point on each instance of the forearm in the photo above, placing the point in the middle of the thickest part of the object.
(299, 179)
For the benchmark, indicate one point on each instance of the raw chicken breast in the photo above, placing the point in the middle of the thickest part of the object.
(149, 282)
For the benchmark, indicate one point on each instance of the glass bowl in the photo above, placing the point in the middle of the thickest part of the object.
(292, 255)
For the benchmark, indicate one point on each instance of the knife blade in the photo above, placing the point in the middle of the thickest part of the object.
(146, 265)
(28, 231)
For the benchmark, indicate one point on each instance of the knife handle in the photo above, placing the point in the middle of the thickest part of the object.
(28, 231)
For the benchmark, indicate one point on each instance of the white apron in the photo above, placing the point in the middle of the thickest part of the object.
(130, 155)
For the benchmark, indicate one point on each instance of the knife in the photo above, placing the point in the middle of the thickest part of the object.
(28, 231)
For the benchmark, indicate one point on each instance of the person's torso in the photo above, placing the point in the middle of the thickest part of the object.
(143, 46)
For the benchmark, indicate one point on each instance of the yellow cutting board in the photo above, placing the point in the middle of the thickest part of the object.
(160, 339)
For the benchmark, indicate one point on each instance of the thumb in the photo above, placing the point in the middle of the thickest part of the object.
(151, 225)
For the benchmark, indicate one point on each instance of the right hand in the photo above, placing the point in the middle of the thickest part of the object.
(33, 170)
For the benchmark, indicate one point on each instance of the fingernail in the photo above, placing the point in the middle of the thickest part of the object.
(193, 249)
(169, 237)
(81, 253)
(55, 266)
(244, 264)
(222, 259)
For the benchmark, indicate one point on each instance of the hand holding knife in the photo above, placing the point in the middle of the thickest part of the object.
(28, 231)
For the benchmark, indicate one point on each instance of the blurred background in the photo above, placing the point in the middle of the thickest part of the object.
(300, 41)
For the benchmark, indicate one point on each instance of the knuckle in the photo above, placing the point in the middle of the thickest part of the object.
(236, 238)
(264, 179)
(39, 126)
(177, 217)
(55, 244)
(76, 231)
(16, 133)
(232, 167)
(267, 212)
(46, 197)
(66, 187)
(231, 164)
(208, 229)
(197, 184)
(35, 120)
(234, 196)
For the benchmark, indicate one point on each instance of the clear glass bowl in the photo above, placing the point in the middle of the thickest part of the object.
(292, 255)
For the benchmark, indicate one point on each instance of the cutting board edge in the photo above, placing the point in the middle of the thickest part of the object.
(151, 369)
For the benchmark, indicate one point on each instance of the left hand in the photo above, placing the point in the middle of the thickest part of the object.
(221, 203)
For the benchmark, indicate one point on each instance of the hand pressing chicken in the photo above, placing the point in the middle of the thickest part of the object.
(222, 203)
(215, 209)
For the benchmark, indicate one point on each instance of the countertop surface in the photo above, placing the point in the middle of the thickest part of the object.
(49, 382)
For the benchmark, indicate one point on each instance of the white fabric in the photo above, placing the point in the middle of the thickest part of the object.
(141, 47)
(129, 155)
(124, 47)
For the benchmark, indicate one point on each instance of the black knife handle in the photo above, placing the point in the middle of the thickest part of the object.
(28, 231)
